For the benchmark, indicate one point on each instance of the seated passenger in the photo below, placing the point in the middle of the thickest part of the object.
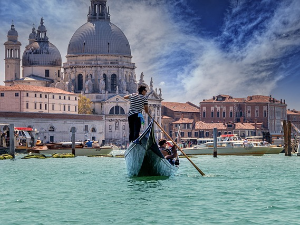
(88, 143)
(169, 153)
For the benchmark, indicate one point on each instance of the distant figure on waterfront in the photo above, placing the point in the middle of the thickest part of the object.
(245, 142)
(89, 143)
(138, 102)
(170, 153)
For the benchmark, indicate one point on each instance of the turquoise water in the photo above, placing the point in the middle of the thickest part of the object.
(85, 190)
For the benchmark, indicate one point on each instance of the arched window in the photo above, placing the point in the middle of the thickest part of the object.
(93, 130)
(117, 110)
(105, 81)
(80, 82)
(113, 83)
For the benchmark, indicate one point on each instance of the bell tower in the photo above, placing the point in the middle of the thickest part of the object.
(12, 56)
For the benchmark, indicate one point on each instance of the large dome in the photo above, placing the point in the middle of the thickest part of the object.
(41, 54)
(99, 37)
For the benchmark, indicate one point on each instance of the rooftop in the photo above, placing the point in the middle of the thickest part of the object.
(181, 107)
(31, 88)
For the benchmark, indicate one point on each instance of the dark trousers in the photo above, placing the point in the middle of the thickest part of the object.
(134, 127)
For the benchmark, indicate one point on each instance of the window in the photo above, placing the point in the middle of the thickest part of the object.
(40, 106)
(16, 94)
(59, 97)
(46, 73)
(182, 134)
(93, 130)
(27, 105)
(51, 128)
(75, 98)
(35, 95)
(75, 108)
(196, 134)
(69, 98)
(2, 94)
(41, 95)
(69, 108)
(64, 97)
(231, 114)
(27, 94)
(45, 96)
(207, 134)
(204, 114)
(224, 114)
(34, 105)
(45, 106)
(86, 128)
(117, 110)
(189, 134)
(52, 106)
(53, 96)
(212, 114)
(58, 73)
(64, 107)
(218, 114)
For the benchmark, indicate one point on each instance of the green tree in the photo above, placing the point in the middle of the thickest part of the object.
(84, 105)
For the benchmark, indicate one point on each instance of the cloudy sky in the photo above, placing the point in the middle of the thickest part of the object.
(193, 49)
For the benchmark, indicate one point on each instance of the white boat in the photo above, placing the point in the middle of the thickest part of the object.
(225, 148)
(270, 149)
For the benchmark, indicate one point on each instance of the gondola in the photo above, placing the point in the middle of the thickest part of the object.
(143, 157)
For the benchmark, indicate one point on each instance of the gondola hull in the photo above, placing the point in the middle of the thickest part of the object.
(143, 157)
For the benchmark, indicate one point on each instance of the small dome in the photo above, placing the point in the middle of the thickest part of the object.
(12, 31)
(99, 37)
(42, 28)
(32, 36)
(41, 54)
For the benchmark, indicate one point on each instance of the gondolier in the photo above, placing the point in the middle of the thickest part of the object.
(138, 102)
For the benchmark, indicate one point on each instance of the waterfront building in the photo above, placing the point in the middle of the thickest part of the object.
(253, 109)
(294, 116)
(181, 116)
(25, 98)
(52, 127)
(99, 66)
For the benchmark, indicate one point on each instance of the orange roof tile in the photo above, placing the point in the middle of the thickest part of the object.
(184, 120)
(181, 107)
(209, 126)
(34, 89)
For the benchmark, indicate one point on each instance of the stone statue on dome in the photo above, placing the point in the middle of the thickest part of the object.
(89, 86)
(123, 86)
(102, 86)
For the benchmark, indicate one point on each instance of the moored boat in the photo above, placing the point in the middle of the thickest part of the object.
(79, 151)
(225, 148)
(143, 157)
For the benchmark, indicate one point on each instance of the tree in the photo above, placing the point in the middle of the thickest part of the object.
(84, 105)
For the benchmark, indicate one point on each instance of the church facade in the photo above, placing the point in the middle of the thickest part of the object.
(99, 66)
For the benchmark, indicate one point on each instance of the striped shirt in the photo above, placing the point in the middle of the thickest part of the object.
(137, 102)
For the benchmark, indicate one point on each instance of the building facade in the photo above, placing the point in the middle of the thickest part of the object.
(253, 109)
(57, 127)
(36, 99)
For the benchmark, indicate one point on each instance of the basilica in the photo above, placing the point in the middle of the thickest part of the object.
(99, 66)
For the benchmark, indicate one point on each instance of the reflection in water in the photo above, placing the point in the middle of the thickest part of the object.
(143, 183)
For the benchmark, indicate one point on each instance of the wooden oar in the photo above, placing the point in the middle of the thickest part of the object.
(178, 147)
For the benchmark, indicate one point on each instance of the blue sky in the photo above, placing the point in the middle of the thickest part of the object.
(193, 49)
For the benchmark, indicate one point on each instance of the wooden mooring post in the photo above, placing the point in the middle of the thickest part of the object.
(287, 130)
(12, 149)
(215, 133)
(73, 140)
